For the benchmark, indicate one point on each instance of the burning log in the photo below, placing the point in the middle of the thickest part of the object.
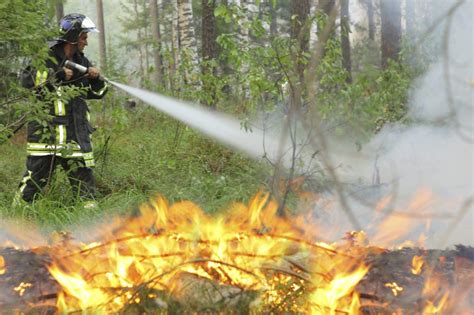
(25, 283)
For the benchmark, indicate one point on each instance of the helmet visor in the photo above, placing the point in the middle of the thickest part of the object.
(88, 26)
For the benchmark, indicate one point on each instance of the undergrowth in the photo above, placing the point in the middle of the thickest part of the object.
(139, 154)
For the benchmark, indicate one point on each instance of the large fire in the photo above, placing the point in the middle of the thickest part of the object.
(249, 253)
(249, 248)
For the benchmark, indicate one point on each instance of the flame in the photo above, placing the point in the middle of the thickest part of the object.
(338, 295)
(417, 264)
(3, 269)
(151, 254)
(432, 308)
(245, 248)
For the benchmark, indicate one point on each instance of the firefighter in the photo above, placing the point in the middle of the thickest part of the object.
(65, 139)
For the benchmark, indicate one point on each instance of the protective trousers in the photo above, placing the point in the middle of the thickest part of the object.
(40, 169)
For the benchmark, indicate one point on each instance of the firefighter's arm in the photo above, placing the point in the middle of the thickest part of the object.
(98, 86)
(33, 78)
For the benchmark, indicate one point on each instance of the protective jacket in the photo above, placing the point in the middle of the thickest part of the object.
(67, 133)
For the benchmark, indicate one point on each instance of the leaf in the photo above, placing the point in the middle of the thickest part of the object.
(221, 10)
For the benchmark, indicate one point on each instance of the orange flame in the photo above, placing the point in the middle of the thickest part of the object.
(162, 242)
(249, 247)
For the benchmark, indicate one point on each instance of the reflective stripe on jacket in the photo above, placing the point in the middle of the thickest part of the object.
(68, 132)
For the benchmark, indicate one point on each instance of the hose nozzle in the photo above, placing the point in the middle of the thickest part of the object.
(82, 70)
(74, 66)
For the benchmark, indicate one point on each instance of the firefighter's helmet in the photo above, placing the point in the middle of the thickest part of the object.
(72, 25)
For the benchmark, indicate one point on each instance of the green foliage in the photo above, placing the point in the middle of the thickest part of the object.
(172, 159)
(142, 152)
(357, 109)
(22, 41)
(139, 154)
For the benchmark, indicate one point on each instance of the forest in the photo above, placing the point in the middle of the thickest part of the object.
(347, 122)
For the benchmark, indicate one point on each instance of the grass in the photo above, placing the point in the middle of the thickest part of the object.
(138, 154)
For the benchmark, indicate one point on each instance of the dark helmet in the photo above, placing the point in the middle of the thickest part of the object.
(72, 25)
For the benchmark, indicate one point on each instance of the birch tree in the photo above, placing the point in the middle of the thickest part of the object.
(187, 37)
(174, 44)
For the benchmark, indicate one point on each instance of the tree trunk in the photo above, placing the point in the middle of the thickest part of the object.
(299, 27)
(155, 30)
(300, 32)
(174, 43)
(146, 38)
(325, 7)
(391, 30)
(139, 43)
(100, 22)
(273, 22)
(370, 19)
(410, 21)
(243, 31)
(187, 38)
(243, 38)
(59, 8)
(209, 46)
(209, 49)
(345, 42)
(313, 30)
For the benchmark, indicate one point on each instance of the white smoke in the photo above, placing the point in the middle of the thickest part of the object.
(434, 157)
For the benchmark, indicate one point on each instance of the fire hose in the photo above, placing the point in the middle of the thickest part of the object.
(81, 69)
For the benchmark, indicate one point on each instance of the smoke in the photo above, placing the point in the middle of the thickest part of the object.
(410, 182)
(426, 169)
(219, 126)
(15, 233)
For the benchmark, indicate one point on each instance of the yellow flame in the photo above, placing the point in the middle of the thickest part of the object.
(330, 298)
(417, 264)
(3, 269)
(431, 308)
(249, 247)
(165, 240)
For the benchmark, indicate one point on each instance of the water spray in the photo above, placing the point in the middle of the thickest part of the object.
(224, 128)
